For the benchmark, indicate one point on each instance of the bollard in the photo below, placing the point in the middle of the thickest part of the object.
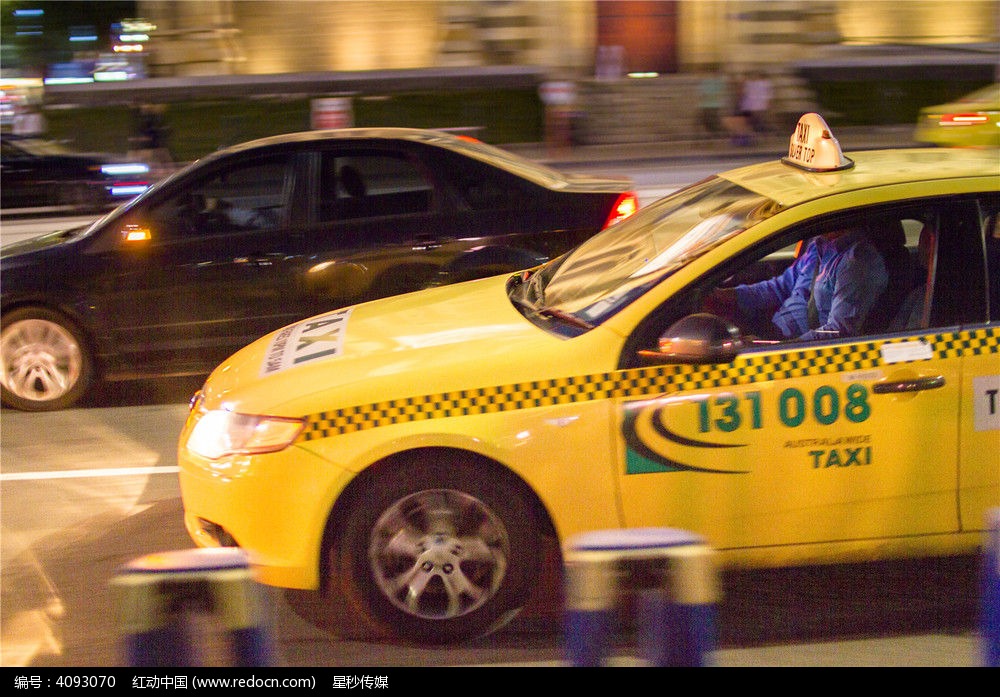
(161, 597)
(677, 611)
(990, 593)
(591, 600)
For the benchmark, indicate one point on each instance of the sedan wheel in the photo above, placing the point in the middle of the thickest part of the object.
(45, 364)
(441, 554)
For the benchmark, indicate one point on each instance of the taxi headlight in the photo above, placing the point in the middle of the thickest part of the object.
(220, 433)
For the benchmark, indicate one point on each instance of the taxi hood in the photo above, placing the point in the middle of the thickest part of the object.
(423, 342)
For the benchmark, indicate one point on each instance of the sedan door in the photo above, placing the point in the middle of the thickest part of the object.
(209, 266)
(377, 228)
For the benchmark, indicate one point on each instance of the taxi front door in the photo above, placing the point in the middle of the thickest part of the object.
(805, 444)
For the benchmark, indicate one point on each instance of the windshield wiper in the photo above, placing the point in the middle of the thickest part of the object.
(533, 291)
(564, 316)
(523, 304)
(529, 308)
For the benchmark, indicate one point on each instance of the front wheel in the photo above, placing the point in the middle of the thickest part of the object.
(44, 361)
(440, 550)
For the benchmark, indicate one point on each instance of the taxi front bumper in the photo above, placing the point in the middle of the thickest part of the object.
(274, 506)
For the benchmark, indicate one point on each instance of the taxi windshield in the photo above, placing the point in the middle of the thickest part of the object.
(602, 275)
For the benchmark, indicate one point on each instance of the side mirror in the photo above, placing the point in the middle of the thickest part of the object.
(698, 338)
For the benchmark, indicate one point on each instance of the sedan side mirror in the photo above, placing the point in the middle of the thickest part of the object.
(698, 338)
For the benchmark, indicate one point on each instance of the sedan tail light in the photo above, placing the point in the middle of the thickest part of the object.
(962, 119)
(626, 205)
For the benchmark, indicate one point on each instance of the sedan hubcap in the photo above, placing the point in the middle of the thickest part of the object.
(41, 360)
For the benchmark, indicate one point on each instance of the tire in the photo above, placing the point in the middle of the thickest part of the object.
(45, 362)
(436, 551)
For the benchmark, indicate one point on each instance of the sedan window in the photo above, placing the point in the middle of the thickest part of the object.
(247, 196)
(482, 187)
(361, 185)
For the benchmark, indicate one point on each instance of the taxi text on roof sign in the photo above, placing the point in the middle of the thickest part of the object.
(812, 147)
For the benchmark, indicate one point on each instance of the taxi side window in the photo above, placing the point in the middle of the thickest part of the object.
(934, 269)
(907, 267)
(840, 282)
(991, 235)
(959, 292)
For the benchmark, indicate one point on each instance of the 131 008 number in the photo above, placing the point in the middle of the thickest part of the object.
(826, 405)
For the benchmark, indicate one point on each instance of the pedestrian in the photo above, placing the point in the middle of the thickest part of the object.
(755, 102)
(713, 101)
(152, 137)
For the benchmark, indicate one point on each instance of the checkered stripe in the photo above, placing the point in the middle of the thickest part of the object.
(636, 383)
(973, 342)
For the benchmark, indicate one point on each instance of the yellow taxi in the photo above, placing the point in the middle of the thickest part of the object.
(410, 457)
(970, 121)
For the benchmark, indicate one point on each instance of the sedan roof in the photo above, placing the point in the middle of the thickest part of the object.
(532, 170)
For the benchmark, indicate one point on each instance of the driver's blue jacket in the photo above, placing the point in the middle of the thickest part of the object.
(850, 276)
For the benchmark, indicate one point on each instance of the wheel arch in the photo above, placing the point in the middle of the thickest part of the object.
(357, 487)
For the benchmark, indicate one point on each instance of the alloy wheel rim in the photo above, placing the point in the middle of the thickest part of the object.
(41, 360)
(439, 554)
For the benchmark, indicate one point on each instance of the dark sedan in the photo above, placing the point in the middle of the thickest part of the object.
(39, 173)
(258, 235)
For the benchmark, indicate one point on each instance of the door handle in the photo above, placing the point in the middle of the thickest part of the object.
(259, 259)
(914, 385)
(422, 242)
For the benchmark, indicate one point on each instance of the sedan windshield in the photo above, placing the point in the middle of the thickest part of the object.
(602, 275)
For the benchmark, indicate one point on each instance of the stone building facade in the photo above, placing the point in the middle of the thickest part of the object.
(672, 43)
(263, 36)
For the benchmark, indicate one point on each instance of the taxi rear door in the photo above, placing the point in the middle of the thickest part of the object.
(979, 475)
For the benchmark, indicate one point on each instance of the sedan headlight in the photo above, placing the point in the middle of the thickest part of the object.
(220, 433)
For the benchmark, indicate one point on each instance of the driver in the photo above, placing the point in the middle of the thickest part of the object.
(827, 292)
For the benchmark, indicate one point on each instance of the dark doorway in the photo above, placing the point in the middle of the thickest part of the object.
(646, 30)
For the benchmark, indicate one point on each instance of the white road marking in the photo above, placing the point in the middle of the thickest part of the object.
(74, 474)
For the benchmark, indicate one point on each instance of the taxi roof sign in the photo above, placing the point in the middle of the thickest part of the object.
(813, 148)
